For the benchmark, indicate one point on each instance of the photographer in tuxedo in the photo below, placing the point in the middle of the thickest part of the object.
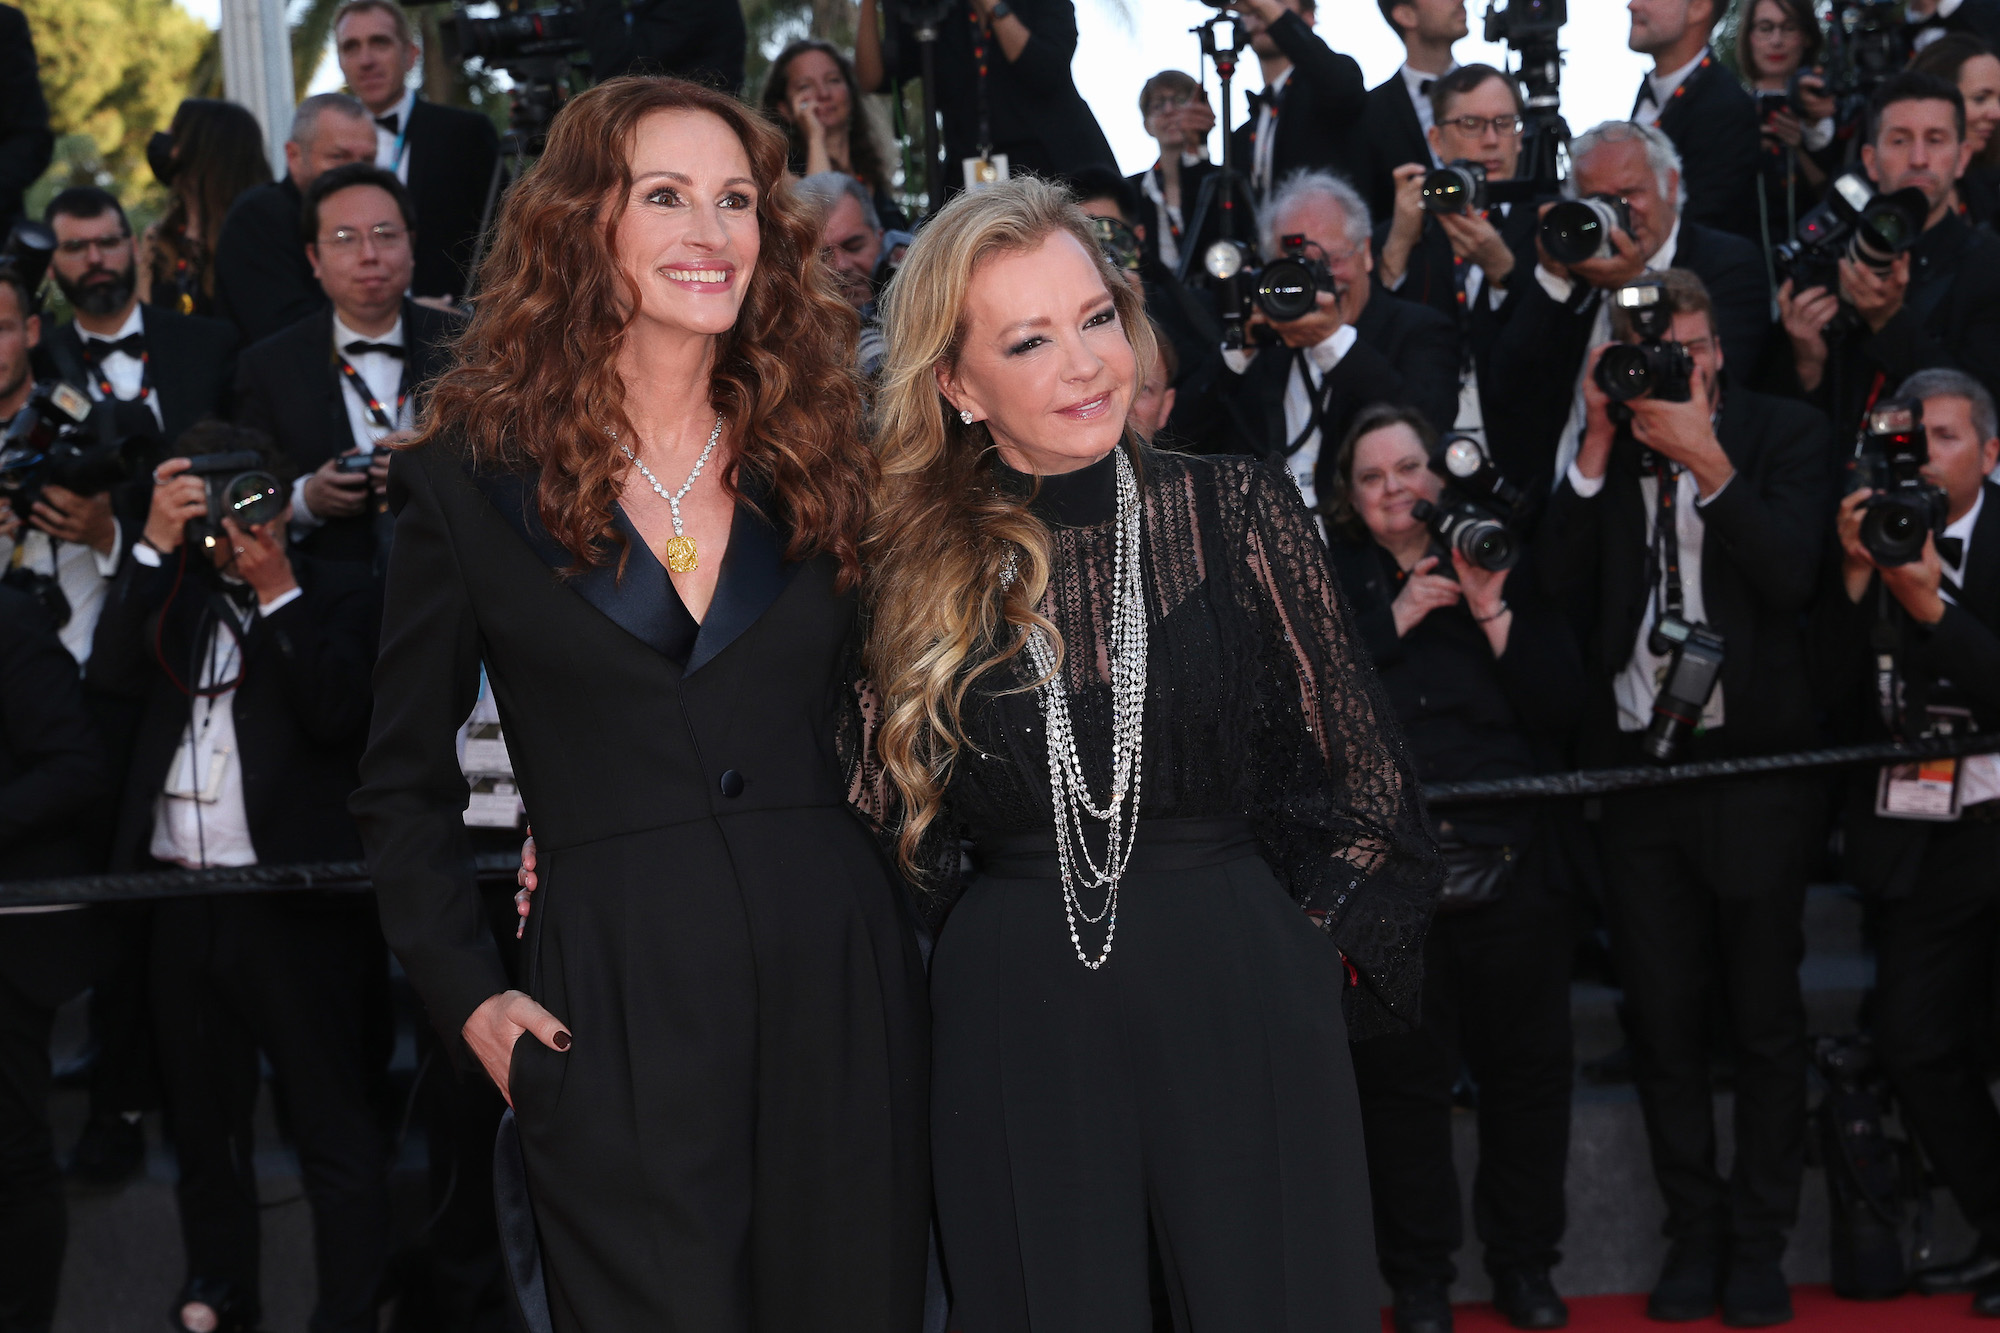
(1696, 101)
(1933, 869)
(336, 386)
(263, 280)
(1311, 114)
(1400, 108)
(1534, 392)
(252, 665)
(1938, 304)
(1707, 514)
(445, 155)
(1295, 387)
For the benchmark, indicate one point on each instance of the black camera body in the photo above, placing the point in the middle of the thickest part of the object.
(1904, 509)
(47, 446)
(1476, 515)
(1852, 222)
(238, 488)
(1523, 22)
(1578, 229)
(554, 30)
(1655, 366)
(1694, 654)
(1866, 42)
(1461, 186)
(1285, 289)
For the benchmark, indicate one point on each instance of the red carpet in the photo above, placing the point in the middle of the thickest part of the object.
(1818, 1309)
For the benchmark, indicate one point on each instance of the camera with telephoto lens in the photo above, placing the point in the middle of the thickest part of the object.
(1478, 507)
(513, 34)
(1524, 22)
(1904, 509)
(1655, 366)
(1852, 222)
(1694, 665)
(1579, 229)
(1866, 42)
(238, 488)
(1285, 289)
(1462, 186)
(47, 446)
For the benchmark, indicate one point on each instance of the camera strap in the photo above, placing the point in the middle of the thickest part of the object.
(377, 413)
(1317, 395)
(1669, 598)
(980, 36)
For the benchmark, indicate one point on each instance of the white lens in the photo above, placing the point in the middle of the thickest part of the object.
(1223, 260)
(1462, 458)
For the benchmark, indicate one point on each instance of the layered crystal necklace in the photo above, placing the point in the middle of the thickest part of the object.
(681, 554)
(1068, 792)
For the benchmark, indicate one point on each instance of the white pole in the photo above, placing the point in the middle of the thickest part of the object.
(257, 68)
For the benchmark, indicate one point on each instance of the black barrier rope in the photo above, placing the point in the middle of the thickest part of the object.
(352, 876)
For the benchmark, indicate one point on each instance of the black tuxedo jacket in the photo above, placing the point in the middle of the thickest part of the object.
(1432, 280)
(1193, 179)
(1713, 122)
(26, 142)
(1395, 136)
(701, 40)
(289, 387)
(192, 362)
(263, 279)
(1530, 379)
(1322, 122)
(1035, 113)
(52, 762)
(301, 706)
(1979, 18)
(453, 155)
(1402, 353)
(1760, 563)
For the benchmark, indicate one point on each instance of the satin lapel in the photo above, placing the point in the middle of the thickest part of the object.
(1982, 569)
(754, 572)
(638, 605)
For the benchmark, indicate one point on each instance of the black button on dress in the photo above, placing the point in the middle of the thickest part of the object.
(736, 1140)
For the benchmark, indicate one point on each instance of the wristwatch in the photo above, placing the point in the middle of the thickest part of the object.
(998, 12)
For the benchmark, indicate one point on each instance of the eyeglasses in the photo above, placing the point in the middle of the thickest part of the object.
(1165, 104)
(85, 244)
(1476, 126)
(382, 233)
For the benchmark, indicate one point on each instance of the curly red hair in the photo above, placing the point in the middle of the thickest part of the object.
(536, 379)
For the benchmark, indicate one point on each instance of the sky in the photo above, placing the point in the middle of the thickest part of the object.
(1144, 37)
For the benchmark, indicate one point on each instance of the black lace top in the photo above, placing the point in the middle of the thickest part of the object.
(1260, 703)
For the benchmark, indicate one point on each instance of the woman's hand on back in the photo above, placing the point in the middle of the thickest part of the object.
(500, 1022)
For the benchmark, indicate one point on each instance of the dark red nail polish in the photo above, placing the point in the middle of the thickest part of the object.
(562, 1041)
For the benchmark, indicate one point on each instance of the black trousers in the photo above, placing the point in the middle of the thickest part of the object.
(1934, 990)
(300, 979)
(1496, 997)
(1705, 898)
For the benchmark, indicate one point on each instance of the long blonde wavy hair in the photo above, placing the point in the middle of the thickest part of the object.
(942, 535)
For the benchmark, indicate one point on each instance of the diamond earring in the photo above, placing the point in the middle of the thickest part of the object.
(965, 415)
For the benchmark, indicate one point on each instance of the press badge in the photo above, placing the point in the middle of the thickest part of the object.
(981, 172)
(1928, 788)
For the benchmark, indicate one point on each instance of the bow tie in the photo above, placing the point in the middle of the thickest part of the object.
(359, 348)
(1424, 87)
(1951, 550)
(388, 122)
(132, 344)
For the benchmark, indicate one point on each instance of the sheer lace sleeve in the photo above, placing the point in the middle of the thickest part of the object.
(1338, 806)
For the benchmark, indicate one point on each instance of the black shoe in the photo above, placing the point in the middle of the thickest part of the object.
(1967, 1274)
(1687, 1287)
(1422, 1309)
(1756, 1295)
(110, 1151)
(1527, 1299)
(1986, 1301)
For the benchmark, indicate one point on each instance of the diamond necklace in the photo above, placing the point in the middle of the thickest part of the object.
(681, 555)
(1067, 790)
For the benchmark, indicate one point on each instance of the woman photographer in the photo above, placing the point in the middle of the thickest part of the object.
(212, 153)
(1485, 683)
(1777, 43)
(810, 90)
(1968, 62)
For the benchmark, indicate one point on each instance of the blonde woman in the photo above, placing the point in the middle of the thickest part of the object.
(1201, 861)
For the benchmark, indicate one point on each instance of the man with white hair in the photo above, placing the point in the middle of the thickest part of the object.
(1535, 396)
(1294, 387)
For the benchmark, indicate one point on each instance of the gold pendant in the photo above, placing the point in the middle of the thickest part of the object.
(681, 555)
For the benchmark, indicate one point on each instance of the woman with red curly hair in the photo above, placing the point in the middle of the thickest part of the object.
(636, 502)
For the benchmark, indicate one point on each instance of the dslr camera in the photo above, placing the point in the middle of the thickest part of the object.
(238, 488)
(1476, 516)
(1461, 186)
(1852, 222)
(1889, 460)
(1653, 367)
(1579, 229)
(47, 446)
(1285, 289)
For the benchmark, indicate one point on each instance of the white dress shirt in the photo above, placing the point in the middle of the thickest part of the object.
(383, 375)
(1659, 89)
(1929, 31)
(1981, 778)
(1414, 80)
(199, 819)
(1561, 289)
(392, 151)
(1324, 356)
(1261, 183)
(1171, 219)
(125, 372)
(83, 575)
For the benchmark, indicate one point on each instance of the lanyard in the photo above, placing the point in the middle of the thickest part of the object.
(979, 39)
(1316, 400)
(104, 389)
(377, 413)
(1669, 599)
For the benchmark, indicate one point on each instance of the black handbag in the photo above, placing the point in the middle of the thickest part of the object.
(1474, 874)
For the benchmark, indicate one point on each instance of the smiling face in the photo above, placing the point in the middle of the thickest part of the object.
(1979, 83)
(689, 238)
(1391, 473)
(1043, 359)
(813, 74)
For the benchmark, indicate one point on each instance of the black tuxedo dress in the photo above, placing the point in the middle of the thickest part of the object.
(737, 1139)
